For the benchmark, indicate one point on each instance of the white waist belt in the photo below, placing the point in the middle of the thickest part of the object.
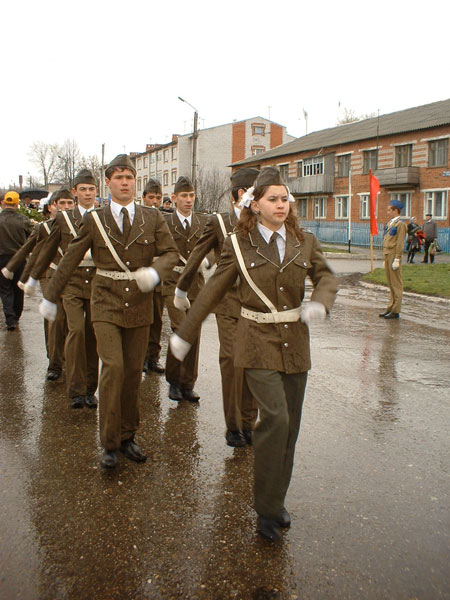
(178, 269)
(53, 266)
(116, 274)
(286, 316)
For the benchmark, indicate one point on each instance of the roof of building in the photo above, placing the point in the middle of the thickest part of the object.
(403, 121)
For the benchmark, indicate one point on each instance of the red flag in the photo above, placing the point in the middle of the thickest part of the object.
(374, 189)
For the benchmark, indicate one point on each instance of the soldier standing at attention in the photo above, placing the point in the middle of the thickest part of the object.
(15, 228)
(152, 197)
(272, 257)
(80, 347)
(393, 242)
(124, 238)
(186, 228)
(238, 405)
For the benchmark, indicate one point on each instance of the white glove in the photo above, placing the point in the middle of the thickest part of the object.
(181, 301)
(313, 311)
(7, 274)
(396, 264)
(30, 287)
(21, 285)
(147, 278)
(179, 347)
(48, 309)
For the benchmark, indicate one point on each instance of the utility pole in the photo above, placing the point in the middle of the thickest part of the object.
(102, 175)
(194, 142)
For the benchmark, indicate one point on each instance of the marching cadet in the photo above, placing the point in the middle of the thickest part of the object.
(55, 332)
(152, 198)
(15, 228)
(272, 257)
(123, 238)
(80, 347)
(238, 405)
(186, 229)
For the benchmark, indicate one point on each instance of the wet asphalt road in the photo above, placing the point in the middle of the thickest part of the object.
(369, 498)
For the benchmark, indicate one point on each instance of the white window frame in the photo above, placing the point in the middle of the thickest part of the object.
(429, 203)
(339, 158)
(282, 167)
(406, 212)
(313, 166)
(302, 202)
(364, 206)
(341, 206)
(320, 207)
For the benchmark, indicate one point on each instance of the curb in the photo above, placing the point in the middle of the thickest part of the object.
(435, 299)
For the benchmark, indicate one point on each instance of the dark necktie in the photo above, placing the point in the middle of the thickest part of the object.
(126, 226)
(187, 227)
(273, 252)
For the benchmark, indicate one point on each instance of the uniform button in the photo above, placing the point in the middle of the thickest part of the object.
(188, 251)
(87, 270)
(284, 307)
(146, 241)
(281, 289)
(126, 247)
(127, 289)
(252, 264)
(285, 344)
(286, 325)
(126, 304)
(128, 263)
(87, 281)
(304, 264)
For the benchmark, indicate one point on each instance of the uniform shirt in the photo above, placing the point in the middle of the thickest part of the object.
(116, 210)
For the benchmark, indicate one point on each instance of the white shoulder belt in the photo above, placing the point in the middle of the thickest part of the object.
(111, 274)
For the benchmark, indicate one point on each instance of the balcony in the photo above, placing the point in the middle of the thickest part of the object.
(313, 184)
(397, 177)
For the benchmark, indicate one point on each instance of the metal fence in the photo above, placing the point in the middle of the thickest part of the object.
(336, 232)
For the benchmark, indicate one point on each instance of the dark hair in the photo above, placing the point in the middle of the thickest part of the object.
(249, 220)
(235, 190)
(111, 170)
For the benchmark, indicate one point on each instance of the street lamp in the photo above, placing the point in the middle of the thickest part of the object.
(194, 141)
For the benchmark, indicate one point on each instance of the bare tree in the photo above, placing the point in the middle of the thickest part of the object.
(93, 164)
(70, 161)
(350, 116)
(45, 157)
(212, 186)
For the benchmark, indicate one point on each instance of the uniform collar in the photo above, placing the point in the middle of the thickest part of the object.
(267, 233)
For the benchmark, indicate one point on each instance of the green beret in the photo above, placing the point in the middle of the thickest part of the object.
(122, 161)
(152, 187)
(84, 176)
(184, 184)
(269, 176)
(243, 178)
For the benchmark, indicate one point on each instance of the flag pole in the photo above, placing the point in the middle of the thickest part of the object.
(371, 253)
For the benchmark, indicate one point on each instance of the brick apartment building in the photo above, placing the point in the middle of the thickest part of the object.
(217, 147)
(328, 171)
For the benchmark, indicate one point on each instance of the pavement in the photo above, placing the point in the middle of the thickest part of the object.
(369, 496)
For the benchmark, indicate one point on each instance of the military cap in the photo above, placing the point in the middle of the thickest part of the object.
(63, 192)
(84, 176)
(244, 178)
(396, 204)
(269, 176)
(122, 161)
(184, 184)
(11, 197)
(152, 187)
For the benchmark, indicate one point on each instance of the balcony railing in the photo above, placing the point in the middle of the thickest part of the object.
(398, 176)
(313, 184)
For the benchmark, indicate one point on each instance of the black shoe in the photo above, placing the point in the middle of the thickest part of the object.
(248, 436)
(175, 392)
(109, 459)
(11, 327)
(392, 315)
(154, 365)
(386, 312)
(285, 518)
(190, 395)
(235, 439)
(132, 451)
(77, 402)
(269, 529)
(53, 375)
(91, 401)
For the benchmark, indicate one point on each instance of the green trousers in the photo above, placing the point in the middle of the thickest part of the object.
(279, 398)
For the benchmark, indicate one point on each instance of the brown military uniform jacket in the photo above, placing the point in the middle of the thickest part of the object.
(212, 239)
(60, 237)
(185, 245)
(42, 233)
(281, 346)
(119, 301)
(394, 239)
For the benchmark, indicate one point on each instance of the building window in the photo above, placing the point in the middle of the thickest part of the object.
(438, 153)
(405, 198)
(257, 150)
(145, 181)
(403, 156)
(313, 166)
(436, 204)
(138, 164)
(365, 206)
(300, 168)
(174, 176)
(370, 160)
(258, 129)
(166, 156)
(302, 208)
(152, 159)
(174, 152)
(166, 178)
(139, 184)
(284, 172)
(341, 207)
(343, 165)
(145, 162)
(320, 208)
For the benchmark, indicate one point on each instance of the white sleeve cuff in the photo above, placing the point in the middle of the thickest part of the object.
(180, 293)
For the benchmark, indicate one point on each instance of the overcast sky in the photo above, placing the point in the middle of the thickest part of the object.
(111, 71)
